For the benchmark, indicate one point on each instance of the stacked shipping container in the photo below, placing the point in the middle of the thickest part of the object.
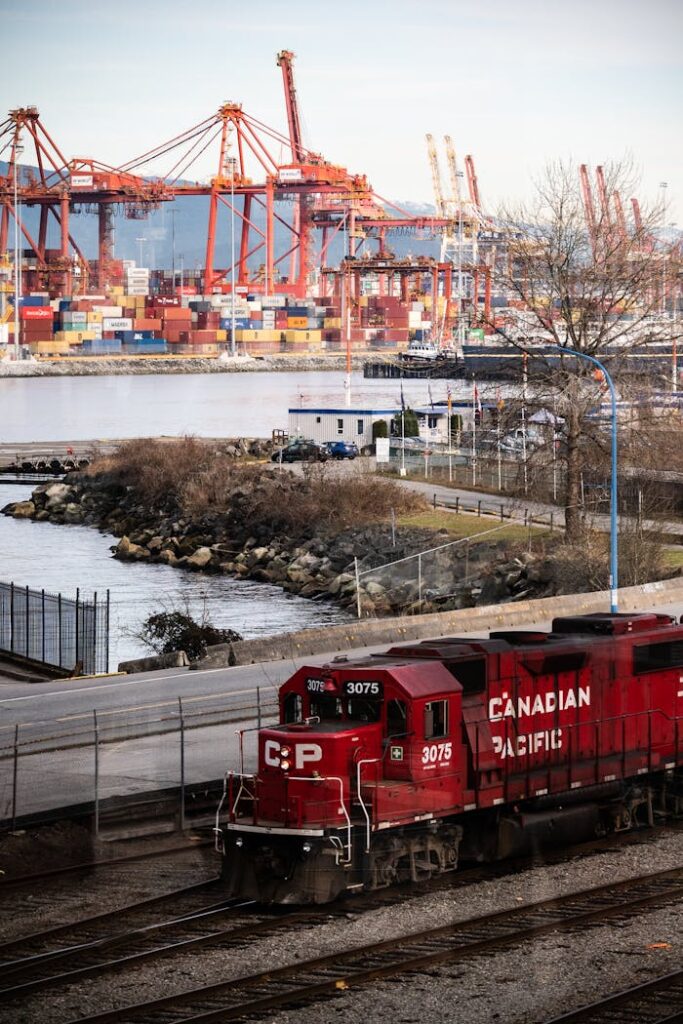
(129, 322)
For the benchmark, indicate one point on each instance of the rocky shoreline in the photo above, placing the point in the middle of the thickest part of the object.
(321, 566)
(99, 366)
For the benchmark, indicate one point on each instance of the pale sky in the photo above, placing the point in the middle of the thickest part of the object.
(514, 83)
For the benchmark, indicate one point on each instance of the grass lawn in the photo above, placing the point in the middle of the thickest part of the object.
(461, 525)
(674, 557)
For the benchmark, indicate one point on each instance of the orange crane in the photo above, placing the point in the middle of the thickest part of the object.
(323, 195)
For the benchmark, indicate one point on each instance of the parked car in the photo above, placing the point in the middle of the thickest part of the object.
(300, 451)
(341, 449)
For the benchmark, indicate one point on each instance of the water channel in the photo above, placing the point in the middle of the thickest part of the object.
(62, 558)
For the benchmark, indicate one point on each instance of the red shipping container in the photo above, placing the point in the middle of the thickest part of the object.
(146, 324)
(202, 337)
(211, 320)
(165, 300)
(177, 313)
(43, 313)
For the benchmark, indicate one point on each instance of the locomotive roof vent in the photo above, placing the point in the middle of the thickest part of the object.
(515, 637)
(606, 624)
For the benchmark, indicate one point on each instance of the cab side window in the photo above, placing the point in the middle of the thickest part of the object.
(436, 719)
(293, 708)
(397, 718)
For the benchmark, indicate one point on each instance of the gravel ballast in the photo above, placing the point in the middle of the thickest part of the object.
(517, 985)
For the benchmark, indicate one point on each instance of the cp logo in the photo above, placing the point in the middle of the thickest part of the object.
(304, 753)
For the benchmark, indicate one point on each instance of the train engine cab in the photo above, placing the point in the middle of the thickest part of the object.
(349, 785)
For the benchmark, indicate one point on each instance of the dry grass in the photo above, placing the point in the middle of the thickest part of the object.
(190, 477)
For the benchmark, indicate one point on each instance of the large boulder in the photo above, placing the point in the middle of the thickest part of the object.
(57, 494)
(200, 559)
(23, 510)
(126, 551)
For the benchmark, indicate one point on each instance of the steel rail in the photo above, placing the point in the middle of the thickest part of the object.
(305, 982)
(653, 1002)
(14, 946)
(69, 869)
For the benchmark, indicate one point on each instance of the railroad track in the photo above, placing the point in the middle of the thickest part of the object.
(219, 923)
(654, 1002)
(319, 978)
(71, 869)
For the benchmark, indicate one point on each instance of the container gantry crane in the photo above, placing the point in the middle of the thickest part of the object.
(61, 188)
(316, 194)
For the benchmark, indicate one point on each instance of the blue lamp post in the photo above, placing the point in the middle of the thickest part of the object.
(613, 558)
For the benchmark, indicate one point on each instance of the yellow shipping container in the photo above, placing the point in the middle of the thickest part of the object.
(332, 321)
(117, 290)
(221, 335)
(297, 322)
(76, 337)
(304, 337)
(49, 348)
(94, 318)
(363, 301)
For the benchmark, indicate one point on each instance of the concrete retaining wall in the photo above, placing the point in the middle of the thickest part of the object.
(177, 659)
(371, 632)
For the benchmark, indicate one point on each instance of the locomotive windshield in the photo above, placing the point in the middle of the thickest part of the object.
(352, 709)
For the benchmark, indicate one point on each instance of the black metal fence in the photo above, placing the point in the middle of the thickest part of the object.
(66, 632)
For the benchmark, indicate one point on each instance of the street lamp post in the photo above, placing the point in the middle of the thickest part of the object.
(18, 150)
(614, 540)
(461, 323)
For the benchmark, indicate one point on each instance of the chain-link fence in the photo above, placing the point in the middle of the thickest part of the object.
(64, 632)
(90, 760)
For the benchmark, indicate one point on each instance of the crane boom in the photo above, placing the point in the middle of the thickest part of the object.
(284, 61)
(472, 182)
(621, 218)
(587, 200)
(453, 171)
(436, 175)
(602, 195)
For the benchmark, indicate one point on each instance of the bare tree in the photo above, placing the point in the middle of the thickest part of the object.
(580, 279)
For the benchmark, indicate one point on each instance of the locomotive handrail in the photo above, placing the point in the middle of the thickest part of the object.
(331, 778)
(369, 760)
(252, 796)
(218, 843)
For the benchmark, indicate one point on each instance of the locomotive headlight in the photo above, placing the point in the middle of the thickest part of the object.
(306, 848)
(284, 751)
(285, 765)
(239, 841)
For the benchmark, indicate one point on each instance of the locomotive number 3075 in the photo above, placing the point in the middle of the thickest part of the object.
(437, 753)
(361, 689)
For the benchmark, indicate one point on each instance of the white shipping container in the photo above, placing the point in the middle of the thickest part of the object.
(255, 305)
(74, 316)
(4, 334)
(414, 319)
(138, 290)
(117, 323)
(108, 310)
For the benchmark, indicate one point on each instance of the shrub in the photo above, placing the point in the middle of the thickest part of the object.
(167, 632)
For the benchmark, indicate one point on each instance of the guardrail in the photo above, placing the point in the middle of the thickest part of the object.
(501, 510)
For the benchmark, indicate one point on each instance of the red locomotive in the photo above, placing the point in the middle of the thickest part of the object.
(396, 766)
